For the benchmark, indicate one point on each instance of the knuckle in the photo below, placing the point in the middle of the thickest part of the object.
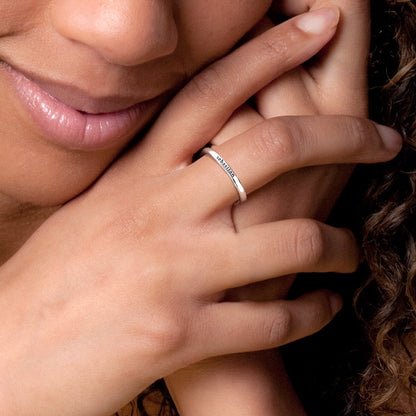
(274, 48)
(278, 330)
(360, 132)
(275, 141)
(166, 335)
(207, 87)
(309, 243)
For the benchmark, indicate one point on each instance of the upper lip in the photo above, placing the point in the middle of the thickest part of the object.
(82, 100)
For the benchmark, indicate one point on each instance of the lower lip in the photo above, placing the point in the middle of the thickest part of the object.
(65, 126)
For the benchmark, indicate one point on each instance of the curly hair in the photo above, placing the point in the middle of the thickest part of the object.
(387, 302)
(155, 400)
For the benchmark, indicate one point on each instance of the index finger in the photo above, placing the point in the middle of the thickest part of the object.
(197, 113)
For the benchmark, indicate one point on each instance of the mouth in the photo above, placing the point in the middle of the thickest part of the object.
(69, 118)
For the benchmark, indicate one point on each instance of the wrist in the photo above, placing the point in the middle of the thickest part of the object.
(236, 385)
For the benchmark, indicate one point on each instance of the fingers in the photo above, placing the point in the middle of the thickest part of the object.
(286, 143)
(285, 247)
(242, 120)
(344, 63)
(197, 113)
(251, 326)
(345, 60)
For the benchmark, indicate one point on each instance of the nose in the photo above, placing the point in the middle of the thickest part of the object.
(124, 32)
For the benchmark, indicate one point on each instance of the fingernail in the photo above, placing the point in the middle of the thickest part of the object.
(317, 21)
(336, 303)
(391, 138)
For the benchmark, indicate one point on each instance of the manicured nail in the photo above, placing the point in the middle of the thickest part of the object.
(391, 138)
(318, 21)
(336, 303)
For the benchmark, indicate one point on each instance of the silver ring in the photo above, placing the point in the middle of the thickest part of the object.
(242, 195)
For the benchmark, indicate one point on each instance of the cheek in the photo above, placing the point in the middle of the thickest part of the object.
(46, 176)
(19, 15)
(209, 29)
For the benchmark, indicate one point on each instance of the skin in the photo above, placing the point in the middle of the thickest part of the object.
(95, 270)
(130, 59)
(335, 83)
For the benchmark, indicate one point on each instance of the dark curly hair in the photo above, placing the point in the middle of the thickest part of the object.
(154, 401)
(387, 302)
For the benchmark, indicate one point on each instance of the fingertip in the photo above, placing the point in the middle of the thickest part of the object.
(335, 302)
(391, 138)
(318, 21)
(352, 252)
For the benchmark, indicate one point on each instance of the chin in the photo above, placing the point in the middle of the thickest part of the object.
(45, 195)
(46, 185)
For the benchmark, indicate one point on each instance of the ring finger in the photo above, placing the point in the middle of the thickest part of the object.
(283, 144)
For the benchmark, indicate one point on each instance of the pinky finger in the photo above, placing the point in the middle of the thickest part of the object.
(236, 327)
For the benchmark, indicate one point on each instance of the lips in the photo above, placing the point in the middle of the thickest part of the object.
(67, 126)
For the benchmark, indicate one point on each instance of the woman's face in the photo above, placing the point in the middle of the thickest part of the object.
(79, 78)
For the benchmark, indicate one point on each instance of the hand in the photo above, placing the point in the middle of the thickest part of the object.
(122, 285)
(334, 83)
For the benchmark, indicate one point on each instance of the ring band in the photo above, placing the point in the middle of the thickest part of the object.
(242, 195)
